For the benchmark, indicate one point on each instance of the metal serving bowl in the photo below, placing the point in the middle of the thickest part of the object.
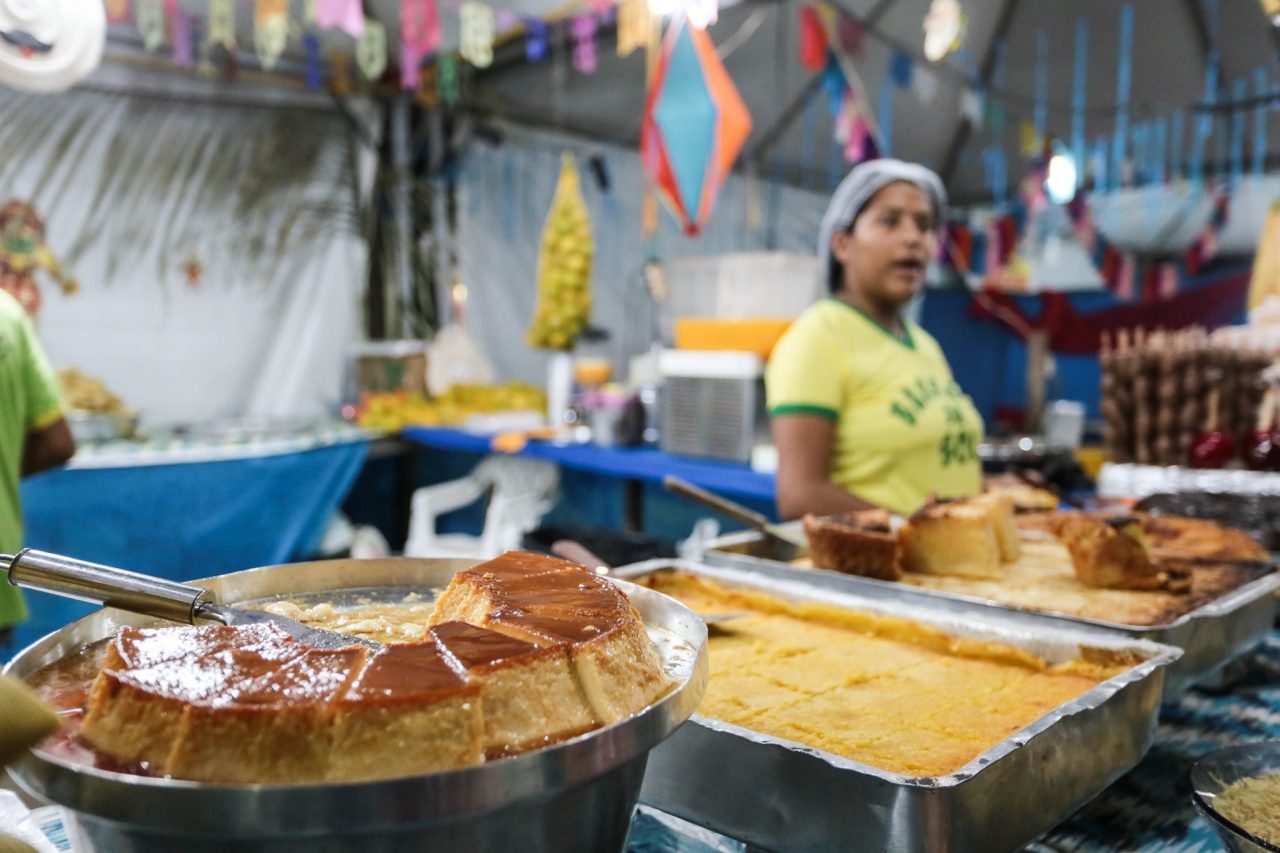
(574, 796)
(1215, 771)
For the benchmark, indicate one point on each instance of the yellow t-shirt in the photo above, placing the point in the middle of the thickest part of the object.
(904, 429)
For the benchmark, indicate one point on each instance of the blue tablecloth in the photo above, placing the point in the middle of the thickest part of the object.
(188, 509)
(1147, 810)
(627, 463)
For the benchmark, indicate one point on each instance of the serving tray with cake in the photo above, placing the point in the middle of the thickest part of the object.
(1189, 583)
(511, 703)
(834, 716)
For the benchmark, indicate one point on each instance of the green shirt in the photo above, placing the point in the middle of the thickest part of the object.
(904, 429)
(28, 401)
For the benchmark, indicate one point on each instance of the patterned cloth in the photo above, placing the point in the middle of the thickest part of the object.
(1147, 810)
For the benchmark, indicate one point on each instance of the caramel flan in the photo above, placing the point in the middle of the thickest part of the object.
(548, 602)
(530, 695)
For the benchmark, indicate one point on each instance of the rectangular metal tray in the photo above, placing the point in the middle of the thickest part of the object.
(783, 796)
(1211, 636)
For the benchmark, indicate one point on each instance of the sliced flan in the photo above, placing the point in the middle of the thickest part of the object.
(530, 695)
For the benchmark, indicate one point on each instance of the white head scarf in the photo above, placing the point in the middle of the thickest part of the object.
(864, 181)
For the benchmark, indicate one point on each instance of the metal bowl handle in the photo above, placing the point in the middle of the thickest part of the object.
(104, 585)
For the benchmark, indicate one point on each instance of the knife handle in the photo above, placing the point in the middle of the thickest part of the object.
(104, 585)
(727, 508)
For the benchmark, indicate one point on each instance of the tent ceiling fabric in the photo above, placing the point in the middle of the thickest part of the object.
(1167, 74)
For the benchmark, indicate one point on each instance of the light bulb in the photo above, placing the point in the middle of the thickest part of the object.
(1060, 182)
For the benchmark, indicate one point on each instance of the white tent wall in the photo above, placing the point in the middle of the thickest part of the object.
(135, 174)
(505, 192)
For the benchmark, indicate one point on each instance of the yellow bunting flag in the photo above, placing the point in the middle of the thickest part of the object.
(634, 22)
(309, 12)
(371, 49)
(340, 74)
(270, 30)
(476, 26)
(151, 23)
(222, 23)
(117, 10)
(1028, 140)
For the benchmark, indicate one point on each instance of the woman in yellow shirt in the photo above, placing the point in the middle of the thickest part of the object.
(865, 411)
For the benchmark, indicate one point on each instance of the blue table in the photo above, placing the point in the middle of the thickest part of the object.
(185, 509)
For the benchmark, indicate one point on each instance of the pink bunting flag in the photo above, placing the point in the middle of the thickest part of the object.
(411, 56)
(345, 15)
(420, 24)
(583, 29)
(855, 150)
(506, 19)
(184, 42)
(1126, 277)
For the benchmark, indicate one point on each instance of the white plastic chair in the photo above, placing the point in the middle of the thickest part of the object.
(520, 491)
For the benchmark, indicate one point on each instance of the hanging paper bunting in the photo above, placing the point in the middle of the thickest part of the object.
(205, 66)
(505, 19)
(849, 34)
(1238, 91)
(411, 57)
(428, 93)
(813, 40)
(184, 47)
(834, 84)
(535, 43)
(117, 11)
(345, 15)
(900, 69)
(309, 13)
(340, 74)
(634, 23)
(1042, 84)
(1204, 122)
(371, 50)
(475, 33)
(702, 13)
(222, 24)
(420, 25)
(314, 68)
(151, 23)
(1078, 79)
(270, 30)
(944, 27)
(1260, 85)
(1123, 78)
(583, 30)
(447, 79)
(855, 150)
(694, 125)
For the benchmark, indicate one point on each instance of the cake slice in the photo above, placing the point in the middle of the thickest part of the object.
(957, 538)
(1001, 515)
(1112, 553)
(407, 713)
(475, 591)
(856, 543)
(1025, 496)
(530, 695)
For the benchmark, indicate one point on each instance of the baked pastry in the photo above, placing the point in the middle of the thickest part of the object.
(856, 543)
(1025, 496)
(956, 538)
(1111, 552)
(1200, 538)
(530, 695)
(1001, 515)
(549, 602)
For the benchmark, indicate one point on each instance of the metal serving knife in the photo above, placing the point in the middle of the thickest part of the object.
(150, 596)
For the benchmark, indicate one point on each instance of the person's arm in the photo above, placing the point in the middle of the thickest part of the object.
(47, 448)
(805, 444)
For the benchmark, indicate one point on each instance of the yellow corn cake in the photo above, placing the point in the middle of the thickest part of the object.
(957, 538)
(895, 694)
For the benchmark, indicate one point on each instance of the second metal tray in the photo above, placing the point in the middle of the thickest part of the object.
(781, 795)
(1211, 636)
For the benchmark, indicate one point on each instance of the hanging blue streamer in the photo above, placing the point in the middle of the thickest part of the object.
(884, 117)
(901, 69)
(808, 132)
(1042, 84)
(1102, 176)
(1177, 129)
(1138, 155)
(1124, 77)
(535, 42)
(315, 68)
(1239, 91)
(833, 82)
(1161, 146)
(1078, 76)
(1260, 86)
(1204, 122)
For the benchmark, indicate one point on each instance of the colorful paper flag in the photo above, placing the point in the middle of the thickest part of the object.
(427, 94)
(340, 73)
(420, 25)
(309, 13)
(222, 24)
(270, 30)
(702, 13)
(535, 43)
(583, 30)
(151, 23)
(634, 23)
(345, 15)
(371, 50)
(117, 11)
(447, 79)
(184, 47)
(475, 33)
(314, 66)
(813, 40)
